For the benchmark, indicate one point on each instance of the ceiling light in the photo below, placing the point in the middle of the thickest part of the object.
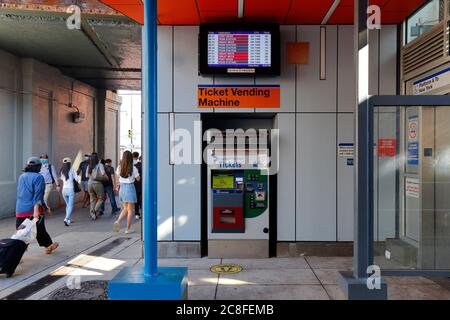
(240, 9)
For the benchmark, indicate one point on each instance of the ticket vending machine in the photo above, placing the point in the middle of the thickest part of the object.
(238, 205)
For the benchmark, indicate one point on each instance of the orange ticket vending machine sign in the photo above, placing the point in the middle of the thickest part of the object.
(387, 147)
(242, 96)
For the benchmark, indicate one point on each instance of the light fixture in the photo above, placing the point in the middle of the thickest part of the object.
(323, 53)
(240, 9)
(331, 11)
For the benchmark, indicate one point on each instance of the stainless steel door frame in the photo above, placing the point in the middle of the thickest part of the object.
(366, 168)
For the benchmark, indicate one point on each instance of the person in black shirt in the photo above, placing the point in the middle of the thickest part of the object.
(110, 186)
(84, 179)
(138, 185)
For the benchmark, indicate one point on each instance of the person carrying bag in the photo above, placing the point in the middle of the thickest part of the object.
(97, 175)
(69, 178)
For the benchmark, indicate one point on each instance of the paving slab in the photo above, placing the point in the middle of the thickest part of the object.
(35, 260)
(269, 276)
(334, 292)
(201, 292)
(327, 276)
(407, 281)
(87, 273)
(339, 263)
(273, 263)
(196, 263)
(133, 251)
(202, 277)
(417, 292)
(272, 292)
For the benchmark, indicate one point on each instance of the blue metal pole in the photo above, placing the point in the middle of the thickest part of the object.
(150, 164)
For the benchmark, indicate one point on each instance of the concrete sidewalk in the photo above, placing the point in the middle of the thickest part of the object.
(90, 250)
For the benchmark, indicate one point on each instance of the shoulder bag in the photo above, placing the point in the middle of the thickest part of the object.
(99, 177)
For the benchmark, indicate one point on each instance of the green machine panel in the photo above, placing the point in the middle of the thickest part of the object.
(256, 193)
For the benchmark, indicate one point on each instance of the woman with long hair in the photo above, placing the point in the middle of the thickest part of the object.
(97, 175)
(128, 174)
(68, 175)
(30, 201)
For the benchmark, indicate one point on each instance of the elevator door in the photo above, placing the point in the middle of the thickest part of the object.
(442, 187)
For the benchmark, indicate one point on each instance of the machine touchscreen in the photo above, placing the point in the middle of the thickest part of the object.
(223, 182)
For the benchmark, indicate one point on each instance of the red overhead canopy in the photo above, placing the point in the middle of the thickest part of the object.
(133, 9)
(194, 12)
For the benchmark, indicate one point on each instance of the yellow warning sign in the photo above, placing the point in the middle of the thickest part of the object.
(226, 268)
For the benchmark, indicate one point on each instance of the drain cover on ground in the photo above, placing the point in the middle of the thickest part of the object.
(226, 268)
(88, 290)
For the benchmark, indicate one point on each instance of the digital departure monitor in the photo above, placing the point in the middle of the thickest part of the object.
(239, 49)
(233, 49)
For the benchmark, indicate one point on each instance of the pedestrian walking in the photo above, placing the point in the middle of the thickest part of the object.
(48, 171)
(138, 184)
(30, 200)
(84, 179)
(127, 174)
(110, 186)
(97, 176)
(69, 177)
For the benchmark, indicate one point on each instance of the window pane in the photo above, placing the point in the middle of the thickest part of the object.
(424, 19)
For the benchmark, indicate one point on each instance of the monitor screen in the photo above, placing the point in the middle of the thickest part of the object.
(223, 182)
(239, 49)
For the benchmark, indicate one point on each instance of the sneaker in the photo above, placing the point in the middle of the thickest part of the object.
(93, 215)
(51, 247)
(69, 222)
(128, 231)
(116, 226)
(137, 217)
(66, 222)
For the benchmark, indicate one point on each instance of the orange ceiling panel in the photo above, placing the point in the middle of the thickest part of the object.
(342, 15)
(308, 11)
(178, 12)
(213, 10)
(392, 11)
(402, 6)
(133, 9)
(194, 12)
(267, 10)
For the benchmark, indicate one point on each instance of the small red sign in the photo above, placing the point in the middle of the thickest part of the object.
(387, 147)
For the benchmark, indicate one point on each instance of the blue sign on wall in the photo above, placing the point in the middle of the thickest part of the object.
(413, 140)
(413, 153)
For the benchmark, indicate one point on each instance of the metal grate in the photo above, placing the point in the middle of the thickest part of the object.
(421, 53)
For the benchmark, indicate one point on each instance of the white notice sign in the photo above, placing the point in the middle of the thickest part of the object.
(412, 187)
(346, 150)
(432, 82)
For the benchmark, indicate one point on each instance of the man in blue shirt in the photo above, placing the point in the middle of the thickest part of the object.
(48, 171)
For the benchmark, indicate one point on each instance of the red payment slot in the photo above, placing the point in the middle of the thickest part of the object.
(228, 218)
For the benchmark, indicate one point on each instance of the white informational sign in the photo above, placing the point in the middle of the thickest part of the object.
(346, 150)
(412, 187)
(432, 82)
